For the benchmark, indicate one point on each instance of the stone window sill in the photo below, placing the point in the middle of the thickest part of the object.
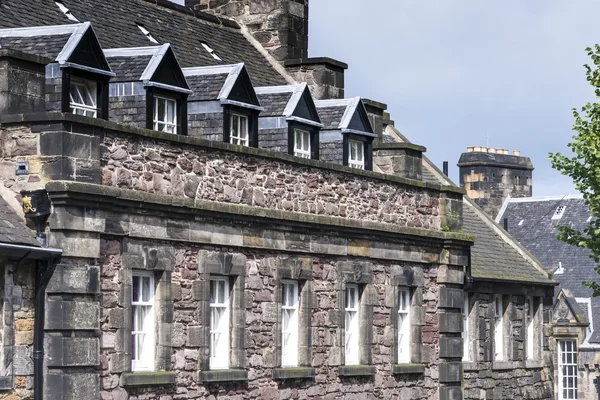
(223, 375)
(356, 370)
(534, 364)
(502, 365)
(398, 369)
(294, 373)
(160, 378)
(470, 366)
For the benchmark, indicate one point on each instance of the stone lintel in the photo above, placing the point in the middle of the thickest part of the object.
(398, 369)
(504, 365)
(294, 373)
(224, 375)
(356, 370)
(160, 378)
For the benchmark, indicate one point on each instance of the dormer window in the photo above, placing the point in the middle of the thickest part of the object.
(302, 143)
(239, 130)
(165, 115)
(356, 154)
(83, 98)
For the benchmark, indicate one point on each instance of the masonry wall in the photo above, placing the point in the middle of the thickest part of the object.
(332, 151)
(17, 289)
(514, 378)
(276, 139)
(261, 326)
(207, 126)
(128, 110)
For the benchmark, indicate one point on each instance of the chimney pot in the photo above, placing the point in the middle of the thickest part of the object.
(491, 150)
(470, 149)
(517, 153)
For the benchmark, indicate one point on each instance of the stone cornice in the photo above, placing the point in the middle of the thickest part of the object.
(45, 117)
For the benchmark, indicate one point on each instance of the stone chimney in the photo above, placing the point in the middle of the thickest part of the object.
(490, 175)
(281, 27)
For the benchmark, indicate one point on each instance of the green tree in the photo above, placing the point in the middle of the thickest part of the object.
(584, 167)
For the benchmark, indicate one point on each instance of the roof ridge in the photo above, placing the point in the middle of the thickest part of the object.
(231, 23)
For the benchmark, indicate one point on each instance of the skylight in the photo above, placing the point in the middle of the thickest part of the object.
(210, 51)
(560, 210)
(66, 11)
(560, 270)
(146, 32)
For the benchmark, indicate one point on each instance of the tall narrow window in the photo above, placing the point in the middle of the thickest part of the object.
(301, 143)
(567, 370)
(352, 339)
(165, 115)
(83, 100)
(465, 331)
(498, 328)
(239, 130)
(403, 326)
(142, 333)
(356, 155)
(219, 323)
(530, 332)
(289, 324)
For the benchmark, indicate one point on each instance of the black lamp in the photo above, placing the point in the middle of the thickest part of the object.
(36, 206)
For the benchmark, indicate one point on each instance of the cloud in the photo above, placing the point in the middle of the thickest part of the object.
(462, 72)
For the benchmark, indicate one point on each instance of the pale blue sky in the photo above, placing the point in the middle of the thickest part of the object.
(457, 72)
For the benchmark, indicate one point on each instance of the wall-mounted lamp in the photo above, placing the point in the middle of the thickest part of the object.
(36, 206)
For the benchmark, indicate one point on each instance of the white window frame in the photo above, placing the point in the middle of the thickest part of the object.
(465, 331)
(352, 328)
(145, 332)
(530, 330)
(219, 323)
(404, 302)
(358, 161)
(88, 93)
(302, 138)
(169, 126)
(498, 328)
(237, 121)
(567, 370)
(289, 323)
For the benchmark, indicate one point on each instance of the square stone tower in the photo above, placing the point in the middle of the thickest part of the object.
(491, 175)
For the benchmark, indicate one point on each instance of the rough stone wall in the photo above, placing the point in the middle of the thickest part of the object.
(324, 80)
(262, 333)
(489, 186)
(17, 290)
(280, 26)
(156, 167)
(128, 110)
(206, 126)
(274, 139)
(332, 152)
(511, 379)
(21, 86)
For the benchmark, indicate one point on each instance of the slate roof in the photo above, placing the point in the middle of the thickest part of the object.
(12, 228)
(167, 22)
(530, 222)
(128, 68)
(494, 256)
(205, 87)
(331, 116)
(274, 103)
(46, 46)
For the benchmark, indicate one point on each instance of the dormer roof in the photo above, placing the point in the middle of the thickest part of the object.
(347, 115)
(153, 65)
(73, 45)
(229, 84)
(294, 102)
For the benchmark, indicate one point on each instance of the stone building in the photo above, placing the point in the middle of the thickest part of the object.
(492, 175)
(205, 266)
